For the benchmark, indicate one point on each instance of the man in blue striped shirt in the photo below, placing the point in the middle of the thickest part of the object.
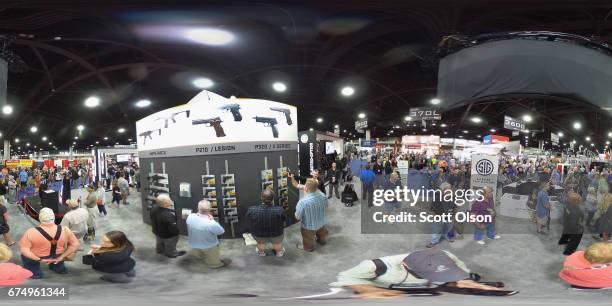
(310, 211)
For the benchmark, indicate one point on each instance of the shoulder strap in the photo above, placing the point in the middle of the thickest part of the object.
(381, 267)
(53, 240)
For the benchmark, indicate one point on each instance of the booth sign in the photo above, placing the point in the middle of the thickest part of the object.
(484, 172)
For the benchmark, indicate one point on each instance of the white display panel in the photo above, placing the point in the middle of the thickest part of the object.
(123, 158)
(330, 147)
(187, 125)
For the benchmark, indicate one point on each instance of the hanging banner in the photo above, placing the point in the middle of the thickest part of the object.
(554, 138)
(361, 125)
(368, 143)
(513, 124)
(425, 113)
(484, 172)
(26, 163)
(515, 133)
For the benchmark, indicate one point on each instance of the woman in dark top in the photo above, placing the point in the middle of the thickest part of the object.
(112, 258)
(66, 189)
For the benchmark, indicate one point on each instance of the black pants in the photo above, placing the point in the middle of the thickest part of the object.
(367, 192)
(572, 241)
(333, 187)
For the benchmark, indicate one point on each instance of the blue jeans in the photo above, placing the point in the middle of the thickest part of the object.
(440, 230)
(489, 228)
(34, 267)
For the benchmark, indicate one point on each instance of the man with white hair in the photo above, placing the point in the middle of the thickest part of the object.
(203, 231)
(47, 243)
(163, 223)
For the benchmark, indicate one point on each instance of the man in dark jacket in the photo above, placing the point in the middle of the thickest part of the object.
(333, 177)
(573, 218)
(163, 223)
(266, 223)
(379, 170)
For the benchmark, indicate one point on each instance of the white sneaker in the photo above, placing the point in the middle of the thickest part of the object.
(495, 237)
(258, 253)
(481, 242)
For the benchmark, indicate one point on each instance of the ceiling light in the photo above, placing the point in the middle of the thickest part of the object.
(592, 144)
(121, 130)
(76, 137)
(443, 125)
(319, 120)
(407, 118)
(465, 132)
(609, 134)
(203, 83)
(279, 86)
(336, 126)
(50, 143)
(311, 129)
(212, 37)
(577, 125)
(27, 144)
(34, 129)
(80, 127)
(16, 140)
(527, 118)
(435, 101)
(433, 124)
(476, 120)
(492, 130)
(347, 91)
(560, 134)
(424, 130)
(105, 138)
(587, 138)
(607, 142)
(7, 109)
(143, 103)
(361, 115)
(44, 138)
(74, 142)
(92, 101)
(97, 142)
(478, 136)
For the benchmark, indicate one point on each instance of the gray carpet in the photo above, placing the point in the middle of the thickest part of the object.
(528, 263)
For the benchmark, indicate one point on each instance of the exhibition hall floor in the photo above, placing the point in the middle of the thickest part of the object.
(527, 263)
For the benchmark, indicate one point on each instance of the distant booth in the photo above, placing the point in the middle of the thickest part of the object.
(223, 150)
(318, 149)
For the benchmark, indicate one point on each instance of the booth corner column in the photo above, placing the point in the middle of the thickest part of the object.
(7, 149)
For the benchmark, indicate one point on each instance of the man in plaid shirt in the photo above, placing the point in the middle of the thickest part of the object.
(266, 223)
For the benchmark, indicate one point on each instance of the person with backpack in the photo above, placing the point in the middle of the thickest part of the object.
(349, 196)
(48, 243)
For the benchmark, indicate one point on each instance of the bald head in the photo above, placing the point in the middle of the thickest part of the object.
(267, 196)
(163, 200)
(204, 207)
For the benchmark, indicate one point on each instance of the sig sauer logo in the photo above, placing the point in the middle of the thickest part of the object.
(484, 167)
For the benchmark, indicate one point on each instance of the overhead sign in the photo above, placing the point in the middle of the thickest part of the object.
(554, 138)
(513, 124)
(368, 143)
(493, 139)
(425, 113)
(361, 125)
(484, 172)
(26, 163)
(515, 133)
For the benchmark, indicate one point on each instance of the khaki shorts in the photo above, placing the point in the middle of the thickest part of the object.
(272, 240)
(541, 221)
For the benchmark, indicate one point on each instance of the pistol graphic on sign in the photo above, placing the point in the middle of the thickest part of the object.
(172, 117)
(147, 134)
(285, 111)
(212, 122)
(269, 122)
(234, 109)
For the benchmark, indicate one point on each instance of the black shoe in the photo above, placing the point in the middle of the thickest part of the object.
(328, 198)
(179, 253)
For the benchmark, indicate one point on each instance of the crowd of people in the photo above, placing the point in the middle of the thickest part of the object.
(586, 202)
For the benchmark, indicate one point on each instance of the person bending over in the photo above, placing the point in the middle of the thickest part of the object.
(589, 269)
(112, 258)
(374, 278)
(266, 223)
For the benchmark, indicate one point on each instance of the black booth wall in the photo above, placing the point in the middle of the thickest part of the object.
(246, 168)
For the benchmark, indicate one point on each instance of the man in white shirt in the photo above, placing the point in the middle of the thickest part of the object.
(203, 231)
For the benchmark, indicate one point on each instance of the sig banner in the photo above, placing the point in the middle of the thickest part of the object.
(554, 138)
(513, 124)
(484, 172)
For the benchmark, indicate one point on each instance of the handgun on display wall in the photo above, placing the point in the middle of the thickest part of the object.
(285, 111)
(234, 109)
(147, 134)
(212, 122)
(173, 118)
(269, 122)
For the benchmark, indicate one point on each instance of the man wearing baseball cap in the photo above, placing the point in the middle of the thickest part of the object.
(373, 278)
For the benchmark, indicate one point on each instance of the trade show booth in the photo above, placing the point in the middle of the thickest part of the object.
(318, 149)
(223, 150)
(103, 156)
